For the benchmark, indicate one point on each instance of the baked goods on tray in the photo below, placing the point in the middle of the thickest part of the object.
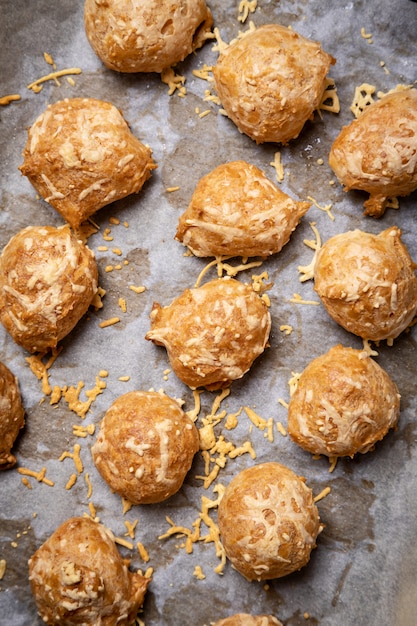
(377, 152)
(81, 155)
(145, 35)
(12, 415)
(236, 210)
(268, 521)
(367, 283)
(245, 619)
(78, 577)
(48, 279)
(271, 81)
(343, 404)
(145, 446)
(212, 333)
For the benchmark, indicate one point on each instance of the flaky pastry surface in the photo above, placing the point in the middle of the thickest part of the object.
(145, 35)
(268, 521)
(377, 152)
(48, 279)
(12, 415)
(212, 333)
(367, 282)
(145, 446)
(271, 81)
(236, 210)
(81, 155)
(343, 404)
(78, 577)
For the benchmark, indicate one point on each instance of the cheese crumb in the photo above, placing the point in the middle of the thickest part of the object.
(279, 168)
(198, 573)
(5, 100)
(110, 322)
(174, 81)
(131, 527)
(362, 98)
(325, 492)
(143, 553)
(3, 565)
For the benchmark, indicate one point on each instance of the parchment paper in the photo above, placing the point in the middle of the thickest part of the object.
(363, 570)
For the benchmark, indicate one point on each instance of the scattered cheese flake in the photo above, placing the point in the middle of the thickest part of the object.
(286, 329)
(71, 482)
(3, 565)
(193, 414)
(49, 60)
(204, 113)
(362, 98)
(40, 476)
(143, 553)
(171, 189)
(126, 505)
(279, 168)
(117, 251)
(131, 527)
(307, 271)
(368, 349)
(75, 456)
(122, 304)
(246, 7)
(93, 512)
(102, 248)
(366, 35)
(231, 419)
(5, 100)
(330, 100)
(89, 485)
(97, 301)
(135, 289)
(107, 235)
(26, 482)
(36, 85)
(333, 463)
(326, 208)
(109, 322)
(71, 81)
(108, 269)
(124, 379)
(204, 73)
(322, 494)
(198, 573)
(293, 382)
(297, 299)
(281, 429)
(174, 81)
(114, 220)
(40, 369)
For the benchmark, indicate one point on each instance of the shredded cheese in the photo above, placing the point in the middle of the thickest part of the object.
(297, 299)
(110, 322)
(174, 81)
(135, 289)
(281, 429)
(71, 482)
(330, 100)
(325, 492)
(3, 565)
(362, 98)
(5, 100)
(286, 329)
(143, 553)
(279, 168)
(246, 7)
(40, 476)
(198, 573)
(365, 35)
(326, 208)
(36, 86)
(26, 482)
(307, 271)
(89, 485)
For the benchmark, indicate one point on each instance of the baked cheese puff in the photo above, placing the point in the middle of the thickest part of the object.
(12, 415)
(377, 152)
(268, 522)
(367, 283)
(343, 404)
(48, 279)
(246, 619)
(145, 446)
(271, 81)
(146, 35)
(78, 577)
(212, 333)
(236, 210)
(81, 155)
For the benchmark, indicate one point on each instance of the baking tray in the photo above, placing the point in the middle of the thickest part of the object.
(363, 570)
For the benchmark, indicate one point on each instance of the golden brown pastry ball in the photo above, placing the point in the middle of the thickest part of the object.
(48, 279)
(367, 283)
(245, 619)
(81, 156)
(343, 404)
(236, 210)
(212, 333)
(78, 577)
(268, 522)
(146, 35)
(12, 415)
(377, 152)
(271, 81)
(145, 446)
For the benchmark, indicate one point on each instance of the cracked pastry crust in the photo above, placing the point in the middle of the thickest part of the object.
(236, 210)
(245, 619)
(343, 404)
(48, 279)
(81, 156)
(377, 152)
(12, 415)
(78, 577)
(212, 333)
(146, 35)
(367, 283)
(268, 522)
(271, 81)
(145, 446)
